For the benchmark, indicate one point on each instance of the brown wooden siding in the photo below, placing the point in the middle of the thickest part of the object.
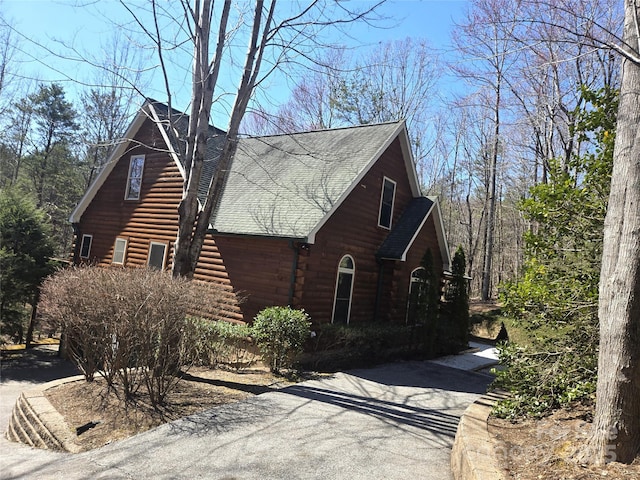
(260, 270)
(353, 230)
(152, 218)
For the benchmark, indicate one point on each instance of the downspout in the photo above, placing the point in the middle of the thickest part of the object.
(294, 269)
(376, 308)
(76, 246)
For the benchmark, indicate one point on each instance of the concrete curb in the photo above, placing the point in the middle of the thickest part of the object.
(473, 452)
(35, 422)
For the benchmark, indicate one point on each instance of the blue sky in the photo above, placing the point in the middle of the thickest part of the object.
(46, 22)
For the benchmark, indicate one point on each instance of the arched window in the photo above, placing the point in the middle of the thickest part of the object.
(344, 290)
(417, 290)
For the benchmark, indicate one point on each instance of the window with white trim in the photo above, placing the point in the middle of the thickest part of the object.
(344, 290)
(119, 251)
(134, 178)
(157, 255)
(85, 246)
(387, 197)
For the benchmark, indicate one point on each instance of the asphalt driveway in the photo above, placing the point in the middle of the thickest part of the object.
(394, 421)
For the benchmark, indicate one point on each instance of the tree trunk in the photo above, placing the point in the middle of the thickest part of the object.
(491, 213)
(616, 433)
(32, 319)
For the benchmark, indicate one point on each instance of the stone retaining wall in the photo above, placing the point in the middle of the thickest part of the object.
(472, 456)
(35, 422)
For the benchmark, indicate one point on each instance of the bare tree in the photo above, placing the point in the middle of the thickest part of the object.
(396, 80)
(487, 57)
(108, 102)
(616, 433)
(274, 35)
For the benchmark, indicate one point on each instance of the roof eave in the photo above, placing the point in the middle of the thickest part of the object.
(442, 238)
(401, 126)
(215, 232)
(110, 164)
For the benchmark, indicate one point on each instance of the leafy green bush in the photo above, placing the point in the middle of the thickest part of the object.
(556, 298)
(280, 333)
(541, 380)
(220, 343)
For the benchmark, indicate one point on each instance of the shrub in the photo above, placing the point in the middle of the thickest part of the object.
(222, 343)
(280, 333)
(335, 346)
(460, 297)
(128, 325)
(551, 374)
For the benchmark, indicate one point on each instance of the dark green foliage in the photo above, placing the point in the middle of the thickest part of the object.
(333, 347)
(280, 333)
(556, 298)
(457, 297)
(40, 149)
(25, 251)
(428, 303)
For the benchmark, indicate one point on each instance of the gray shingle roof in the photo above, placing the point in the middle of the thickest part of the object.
(285, 185)
(215, 142)
(399, 239)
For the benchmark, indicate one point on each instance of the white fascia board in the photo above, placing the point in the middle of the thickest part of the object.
(123, 144)
(311, 238)
(167, 141)
(172, 152)
(409, 162)
(417, 232)
(442, 238)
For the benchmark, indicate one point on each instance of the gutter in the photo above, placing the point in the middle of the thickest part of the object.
(376, 307)
(76, 247)
(294, 269)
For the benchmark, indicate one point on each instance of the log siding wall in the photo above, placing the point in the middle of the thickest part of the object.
(152, 218)
(260, 272)
(354, 230)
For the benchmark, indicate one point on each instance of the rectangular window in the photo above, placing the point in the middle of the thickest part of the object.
(134, 179)
(157, 255)
(386, 202)
(119, 251)
(85, 246)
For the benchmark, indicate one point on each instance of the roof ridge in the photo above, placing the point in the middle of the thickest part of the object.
(322, 130)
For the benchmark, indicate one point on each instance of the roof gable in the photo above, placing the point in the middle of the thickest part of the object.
(399, 240)
(289, 185)
(119, 150)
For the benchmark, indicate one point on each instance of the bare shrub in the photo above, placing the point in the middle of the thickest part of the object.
(128, 325)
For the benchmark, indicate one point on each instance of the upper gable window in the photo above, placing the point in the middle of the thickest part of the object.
(387, 198)
(134, 179)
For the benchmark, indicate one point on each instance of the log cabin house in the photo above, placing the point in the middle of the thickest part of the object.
(332, 221)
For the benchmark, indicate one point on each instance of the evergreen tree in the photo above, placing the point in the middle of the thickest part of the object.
(25, 251)
(428, 299)
(47, 167)
(457, 296)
